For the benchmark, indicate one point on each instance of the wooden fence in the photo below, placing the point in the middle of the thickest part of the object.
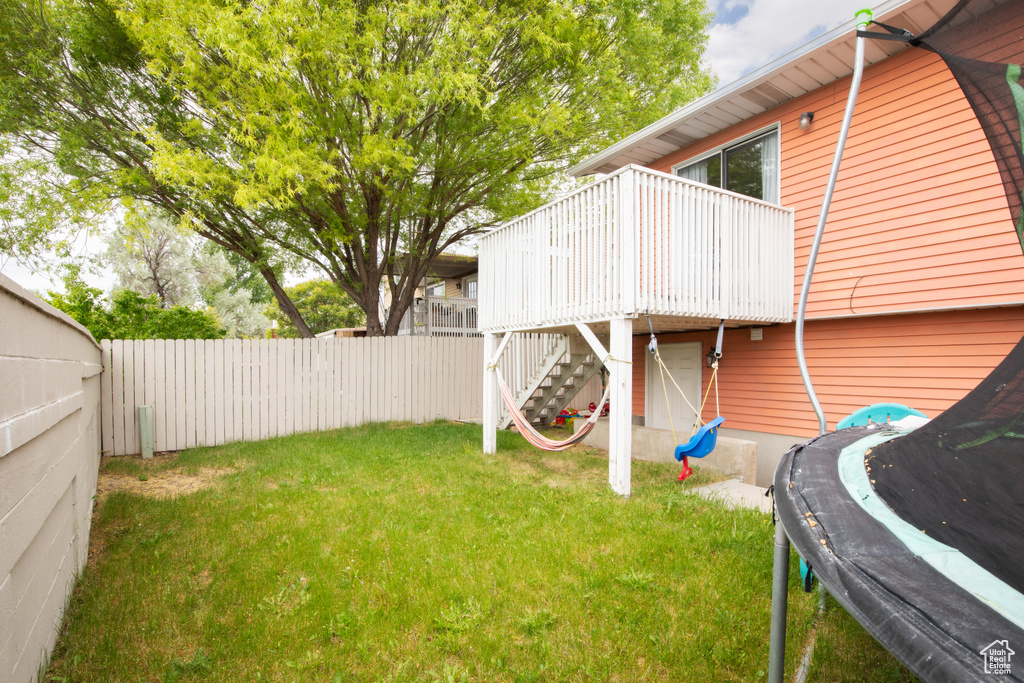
(209, 392)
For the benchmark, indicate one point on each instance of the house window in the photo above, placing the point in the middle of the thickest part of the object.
(436, 289)
(469, 286)
(749, 166)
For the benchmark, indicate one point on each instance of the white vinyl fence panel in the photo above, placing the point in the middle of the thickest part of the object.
(208, 392)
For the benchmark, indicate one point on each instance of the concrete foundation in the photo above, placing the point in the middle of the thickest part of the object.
(770, 449)
(732, 456)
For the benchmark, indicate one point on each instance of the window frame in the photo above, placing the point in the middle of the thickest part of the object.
(465, 285)
(428, 290)
(739, 142)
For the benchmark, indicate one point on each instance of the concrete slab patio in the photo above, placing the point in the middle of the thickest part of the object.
(734, 493)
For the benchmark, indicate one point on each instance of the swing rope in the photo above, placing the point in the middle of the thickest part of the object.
(663, 370)
(705, 443)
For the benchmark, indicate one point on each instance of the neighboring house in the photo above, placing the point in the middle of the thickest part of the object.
(342, 333)
(917, 292)
(445, 304)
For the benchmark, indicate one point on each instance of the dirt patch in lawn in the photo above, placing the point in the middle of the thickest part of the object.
(159, 479)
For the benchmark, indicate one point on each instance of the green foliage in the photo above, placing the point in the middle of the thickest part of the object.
(323, 306)
(130, 315)
(242, 276)
(152, 255)
(345, 134)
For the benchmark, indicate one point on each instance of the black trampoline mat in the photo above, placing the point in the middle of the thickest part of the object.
(931, 624)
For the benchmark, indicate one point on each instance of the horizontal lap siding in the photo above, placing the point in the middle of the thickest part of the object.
(927, 361)
(918, 220)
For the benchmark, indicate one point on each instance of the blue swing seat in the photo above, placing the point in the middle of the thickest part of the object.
(702, 442)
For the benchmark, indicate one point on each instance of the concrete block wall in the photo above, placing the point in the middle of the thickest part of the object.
(49, 462)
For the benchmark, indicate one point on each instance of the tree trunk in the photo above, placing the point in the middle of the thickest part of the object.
(371, 307)
(285, 303)
(398, 311)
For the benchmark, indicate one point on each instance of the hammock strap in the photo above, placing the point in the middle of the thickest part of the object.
(536, 438)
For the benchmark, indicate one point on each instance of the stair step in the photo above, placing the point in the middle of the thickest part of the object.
(566, 374)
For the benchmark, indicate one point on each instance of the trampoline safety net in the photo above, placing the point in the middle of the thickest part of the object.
(960, 478)
(855, 502)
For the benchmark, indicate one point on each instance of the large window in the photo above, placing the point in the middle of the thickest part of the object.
(750, 167)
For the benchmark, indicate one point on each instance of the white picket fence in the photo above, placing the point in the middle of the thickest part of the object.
(209, 392)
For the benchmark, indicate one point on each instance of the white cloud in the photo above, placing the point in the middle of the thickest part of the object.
(741, 42)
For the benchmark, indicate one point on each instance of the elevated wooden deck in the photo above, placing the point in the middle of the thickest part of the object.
(640, 242)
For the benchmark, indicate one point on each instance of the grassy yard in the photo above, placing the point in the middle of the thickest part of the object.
(402, 553)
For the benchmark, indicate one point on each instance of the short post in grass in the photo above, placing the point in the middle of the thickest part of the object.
(146, 430)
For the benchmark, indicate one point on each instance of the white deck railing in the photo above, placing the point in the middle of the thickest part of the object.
(441, 316)
(639, 241)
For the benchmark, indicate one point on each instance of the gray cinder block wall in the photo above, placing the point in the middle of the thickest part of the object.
(49, 461)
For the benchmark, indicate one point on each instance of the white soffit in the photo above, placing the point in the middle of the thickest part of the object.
(818, 63)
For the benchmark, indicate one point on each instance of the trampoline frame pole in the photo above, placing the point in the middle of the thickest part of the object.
(780, 604)
(780, 568)
(858, 71)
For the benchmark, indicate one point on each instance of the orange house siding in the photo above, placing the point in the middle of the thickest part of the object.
(918, 220)
(918, 226)
(927, 361)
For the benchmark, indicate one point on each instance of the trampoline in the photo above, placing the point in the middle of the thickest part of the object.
(919, 534)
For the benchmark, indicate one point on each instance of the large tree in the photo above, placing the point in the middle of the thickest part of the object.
(344, 133)
(152, 256)
(76, 103)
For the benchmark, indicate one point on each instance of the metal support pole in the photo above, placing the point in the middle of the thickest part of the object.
(780, 595)
(858, 70)
(780, 576)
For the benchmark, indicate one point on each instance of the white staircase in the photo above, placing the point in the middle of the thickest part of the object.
(560, 376)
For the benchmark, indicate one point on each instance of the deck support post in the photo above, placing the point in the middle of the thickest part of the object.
(490, 397)
(620, 417)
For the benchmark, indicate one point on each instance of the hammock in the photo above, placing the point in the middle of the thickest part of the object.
(535, 437)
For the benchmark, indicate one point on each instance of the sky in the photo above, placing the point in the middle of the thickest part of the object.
(745, 35)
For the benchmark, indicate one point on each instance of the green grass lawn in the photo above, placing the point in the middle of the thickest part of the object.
(402, 553)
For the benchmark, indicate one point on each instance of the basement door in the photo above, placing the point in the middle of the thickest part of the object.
(683, 362)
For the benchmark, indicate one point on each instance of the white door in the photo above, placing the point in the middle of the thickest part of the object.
(684, 363)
